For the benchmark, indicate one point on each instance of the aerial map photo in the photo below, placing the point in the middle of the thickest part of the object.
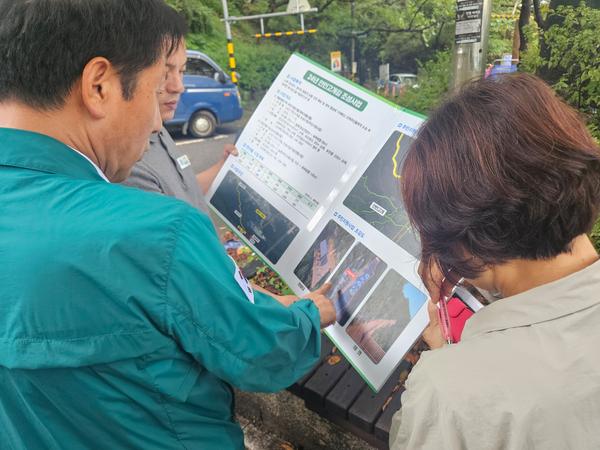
(323, 255)
(376, 196)
(385, 315)
(255, 218)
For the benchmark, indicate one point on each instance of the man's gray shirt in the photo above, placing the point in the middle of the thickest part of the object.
(167, 170)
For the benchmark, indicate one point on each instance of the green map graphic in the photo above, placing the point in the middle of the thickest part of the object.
(376, 196)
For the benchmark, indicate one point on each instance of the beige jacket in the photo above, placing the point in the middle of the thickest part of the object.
(525, 376)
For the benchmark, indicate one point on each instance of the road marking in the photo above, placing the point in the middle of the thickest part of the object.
(195, 141)
(192, 141)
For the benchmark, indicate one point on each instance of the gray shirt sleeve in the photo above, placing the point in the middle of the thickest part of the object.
(143, 177)
(165, 169)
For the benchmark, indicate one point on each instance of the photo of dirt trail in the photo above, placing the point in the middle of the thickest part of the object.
(323, 255)
(385, 315)
(376, 196)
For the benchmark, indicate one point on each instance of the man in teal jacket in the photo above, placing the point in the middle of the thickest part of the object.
(122, 320)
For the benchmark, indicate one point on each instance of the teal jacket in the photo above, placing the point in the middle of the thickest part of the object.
(122, 324)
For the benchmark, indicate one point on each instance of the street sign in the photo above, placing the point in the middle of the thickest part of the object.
(469, 14)
(471, 40)
(336, 61)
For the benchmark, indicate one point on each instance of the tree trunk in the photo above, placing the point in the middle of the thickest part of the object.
(538, 15)
(516, 42)
(523, 22)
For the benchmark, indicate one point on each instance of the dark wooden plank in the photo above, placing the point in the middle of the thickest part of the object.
(344, 393)
(324, 379)
(391, 406)
(367, 408)
(326, 347)
(383, 424)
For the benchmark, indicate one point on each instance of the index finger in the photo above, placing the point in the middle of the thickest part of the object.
(323, 289)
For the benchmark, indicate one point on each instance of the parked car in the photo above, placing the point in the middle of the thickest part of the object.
(402, 80)
(210, 98)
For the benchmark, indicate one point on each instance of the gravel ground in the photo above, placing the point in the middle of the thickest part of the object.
(257, 439)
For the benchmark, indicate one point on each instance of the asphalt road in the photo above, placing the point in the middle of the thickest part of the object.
(203, 153)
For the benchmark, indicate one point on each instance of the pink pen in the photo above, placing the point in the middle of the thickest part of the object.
(444, 319)
(446, 291)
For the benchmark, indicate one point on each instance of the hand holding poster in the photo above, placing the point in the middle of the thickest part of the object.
(315, 192)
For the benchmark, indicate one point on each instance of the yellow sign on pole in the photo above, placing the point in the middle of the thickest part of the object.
(336, 61)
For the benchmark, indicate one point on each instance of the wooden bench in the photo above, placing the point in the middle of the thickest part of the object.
(335, 391)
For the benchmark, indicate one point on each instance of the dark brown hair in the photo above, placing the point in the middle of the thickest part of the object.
(45, 44)
(503, 170)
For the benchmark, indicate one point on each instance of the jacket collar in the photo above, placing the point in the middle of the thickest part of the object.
(34, 151)
(164, 140)
(155, 137)
(568, 295)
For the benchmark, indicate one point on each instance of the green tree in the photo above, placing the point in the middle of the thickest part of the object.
(569, 58)
(573, 53)
(258, 65)
(384, 31)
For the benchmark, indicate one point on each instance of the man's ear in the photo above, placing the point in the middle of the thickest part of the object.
(100, 83)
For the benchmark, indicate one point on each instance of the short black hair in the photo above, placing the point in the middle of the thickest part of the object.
(45, 44)
(503, 170)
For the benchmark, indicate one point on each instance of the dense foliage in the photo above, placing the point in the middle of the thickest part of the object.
(413, 36)
(563, 49)
(383, 31)
(433, 81)
(569, 59)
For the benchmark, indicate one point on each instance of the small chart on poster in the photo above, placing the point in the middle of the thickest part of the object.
(300, 202)
(315, 191)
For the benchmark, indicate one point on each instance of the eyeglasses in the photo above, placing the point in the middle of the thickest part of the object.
(447, 290)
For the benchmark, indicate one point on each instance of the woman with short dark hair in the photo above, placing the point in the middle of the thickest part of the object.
(502, 185)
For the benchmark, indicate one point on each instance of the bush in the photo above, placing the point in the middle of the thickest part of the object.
(570, 59)
(259, 64)
(574, 52)
(433, 78)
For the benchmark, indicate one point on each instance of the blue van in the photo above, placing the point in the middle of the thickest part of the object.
(210, 98)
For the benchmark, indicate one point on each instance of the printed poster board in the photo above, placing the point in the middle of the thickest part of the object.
(315, 192)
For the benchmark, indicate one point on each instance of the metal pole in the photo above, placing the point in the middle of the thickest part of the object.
(265, 16)
(232, 65)
(353, 48)
(471, 40)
